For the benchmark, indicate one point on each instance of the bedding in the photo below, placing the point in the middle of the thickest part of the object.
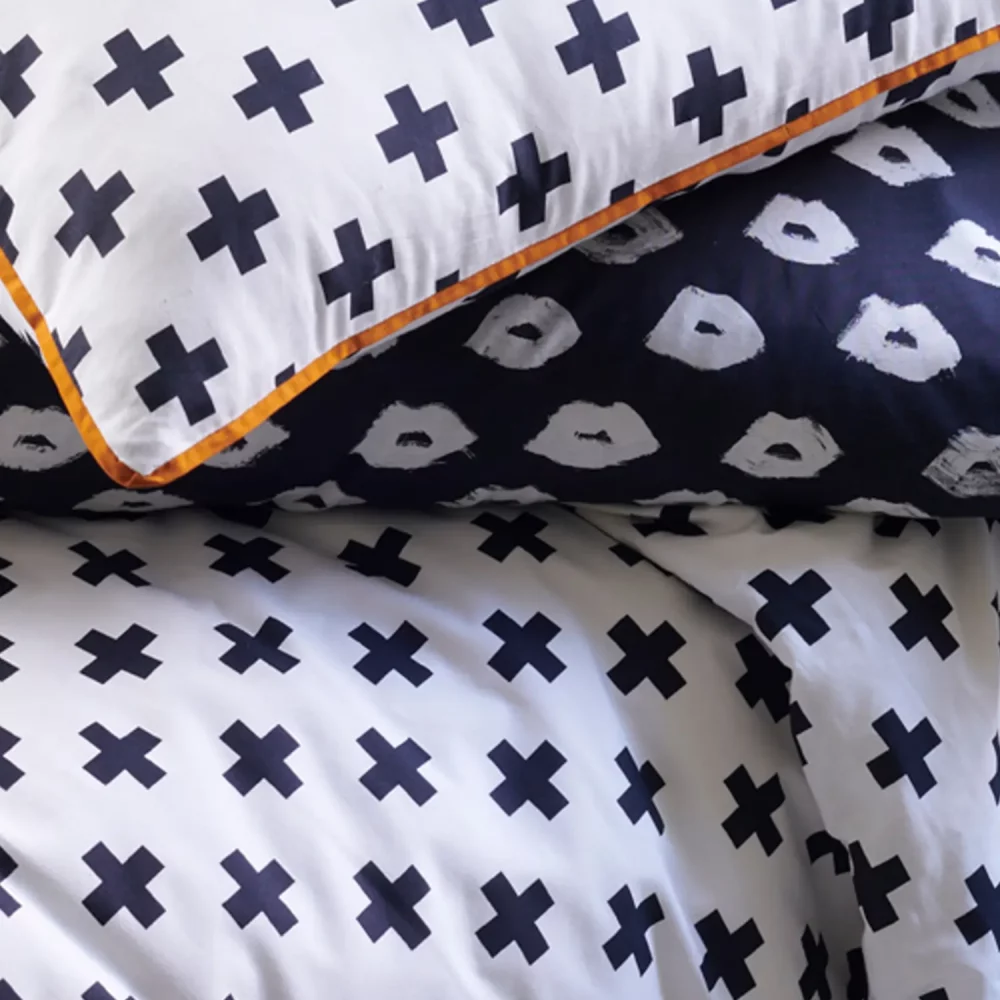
(820, 334)
(197, 222)
(493, 754)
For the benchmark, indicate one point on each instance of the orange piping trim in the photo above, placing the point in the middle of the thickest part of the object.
(302, 380)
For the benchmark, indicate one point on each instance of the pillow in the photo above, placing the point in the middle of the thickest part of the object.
(840, 350)
(203, 209)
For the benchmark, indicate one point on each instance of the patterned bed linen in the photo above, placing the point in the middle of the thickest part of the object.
(492, 754)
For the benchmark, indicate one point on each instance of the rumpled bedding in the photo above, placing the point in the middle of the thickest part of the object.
(602, 752)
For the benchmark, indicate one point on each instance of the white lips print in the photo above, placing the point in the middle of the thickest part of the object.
(408, 437)
(894, 154)
(588, 436)
(777, 447)
(525, 332)
(267, 436)
(968, 248)
(804, 232)
(36, 440)
(632, 239)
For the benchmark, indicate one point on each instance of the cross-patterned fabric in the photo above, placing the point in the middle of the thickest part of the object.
(203, 210)
(541, 753)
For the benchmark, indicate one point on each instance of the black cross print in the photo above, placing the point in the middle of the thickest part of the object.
(360, 268)
(924, 618)
(261, 758)
(875, 19)
(887, 526)
(10, 773)
(994, 781)
(984, 917)
(7, 247)
(800, 724)
(524, 645)
(755, 809)
(813, 983)
(249, 649)
(8, 904)
(791, 605)
(113, 656)
(726, 954)
(138, 69)
(72, 352)
(821, 844)
(516, 920)
(254, 554)
(391, 653)
(906, 754)
(938, 994)
(468, 13)
(634, 922)
(124, 885)
(182, 374)
(706, 101)
(392, 905)
(528, 779)
(529, 186)
(232, 225)
(93, 212)
(798, 110)
(395, 767)
(597, 43)
(278, 89)
(779, 518)
(99, 992)
(857, 982)
(643, 784)
(646, 657)
(259, 893)
(506, 537)
(99, 567)
(874, 885)
(621, 192)
(6, 585)
(15, 94)
(383, 559)
(417, 132)
(7, 669)
(670, 521)
(766, 679)
(119, 754)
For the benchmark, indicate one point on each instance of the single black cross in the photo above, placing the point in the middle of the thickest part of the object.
(646, 657)
(120, 754)
(888, 526)
(384, 559)
(182, 374)
(780, 517)
(8, 904)
(99, 992)
(597, 43)
(821, 843)
(72, 352)
(507, 536)
(533, 180)
(791, 605)
(15, 94)
(906, 756)
(524, 645)
(874, 884)
(259, 893)
(261, 758)
(7, 669)
(726, 954)
(116, 656)
(124, 886)
(516, 920)
(392, 905)
(634, 922)
(643, 784)
(278, 89)
(984, 917)
(7, 247)
(766, 679)
(468, 13)
(857, 972)
(755, 809)
(669, 521)
(706, 101)
(93, 215)
(798, 110)
(417, 132)
(994, 781)
(814, 983)
(924, 618)
(391, 653)
(254, 554)
(875, 19)
(938, 994)
(99, 567)
(232, 225)
(528, 779)
(6, 585)
(10, 773)
(249, 649)
(799, 723)
(360, 268)
(395, 767)
(138, 69)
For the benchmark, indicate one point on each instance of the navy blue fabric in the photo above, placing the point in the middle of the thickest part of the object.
(909, 416)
